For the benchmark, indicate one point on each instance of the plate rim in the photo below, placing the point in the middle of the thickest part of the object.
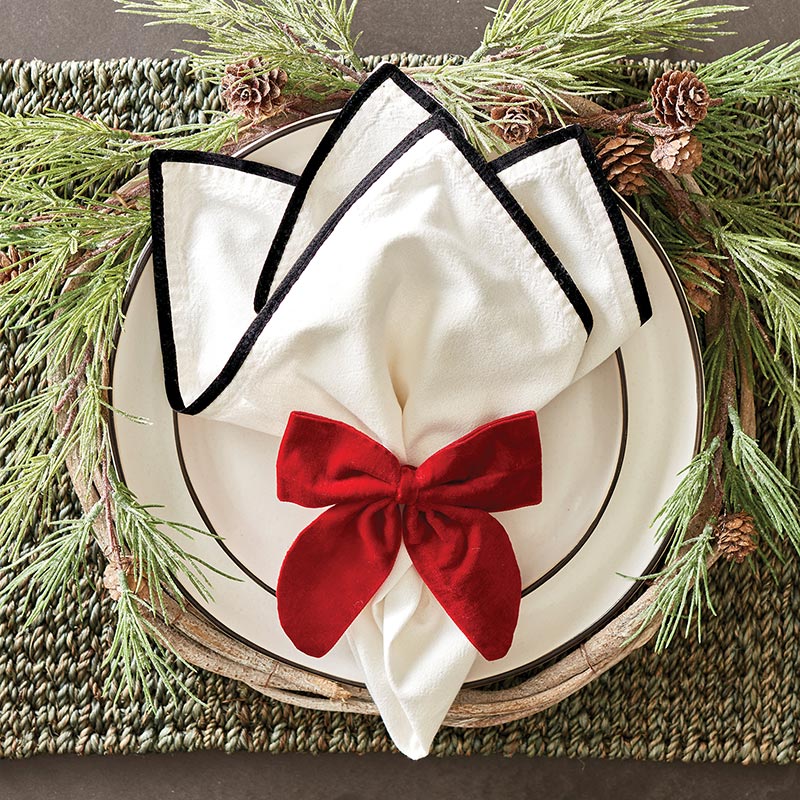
(636, 588)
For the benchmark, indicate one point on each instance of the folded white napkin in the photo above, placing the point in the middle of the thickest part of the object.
(410, 296)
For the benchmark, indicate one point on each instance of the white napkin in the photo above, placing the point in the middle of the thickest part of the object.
(426, 305)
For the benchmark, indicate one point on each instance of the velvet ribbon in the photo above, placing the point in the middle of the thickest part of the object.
(441, 510)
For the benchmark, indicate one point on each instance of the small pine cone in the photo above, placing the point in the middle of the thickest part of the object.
(680, 99)
(624, 162)
(516, 119)
(678, 154)
(248, 88)
(11, 264)
(700, 296)
(737, 537)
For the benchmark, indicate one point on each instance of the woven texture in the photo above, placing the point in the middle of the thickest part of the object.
(735, 697)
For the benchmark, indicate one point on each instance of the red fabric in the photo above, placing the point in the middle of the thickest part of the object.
(462, 553)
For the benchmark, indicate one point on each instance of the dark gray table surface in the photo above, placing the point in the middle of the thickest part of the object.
(55, 30)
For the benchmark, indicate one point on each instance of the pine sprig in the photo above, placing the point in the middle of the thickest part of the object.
(755, 72)
(58, 204)
(603, 25)
(157, 559)
(470, 89)
(675, 516)
(77, 156)
(311, 39)
(754, 482)
(137, 654)
(684, 597)
(45, 572)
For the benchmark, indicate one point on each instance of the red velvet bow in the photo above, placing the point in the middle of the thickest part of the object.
(461, 552)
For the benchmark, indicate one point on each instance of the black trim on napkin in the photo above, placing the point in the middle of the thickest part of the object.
(438, 122)
(163, 306)
(386, 72)
(607, 196)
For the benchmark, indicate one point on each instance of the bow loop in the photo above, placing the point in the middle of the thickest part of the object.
(496, 467)
(461, 552)
(322, 462)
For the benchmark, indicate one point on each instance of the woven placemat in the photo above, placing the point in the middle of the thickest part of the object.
(734, 697)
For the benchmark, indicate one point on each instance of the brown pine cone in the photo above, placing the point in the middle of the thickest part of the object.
(624, 162)
(737, 537)
(248, 88)
(11, 264)
(516, 119)
(678, 154)
(680, 99)
(697, 290)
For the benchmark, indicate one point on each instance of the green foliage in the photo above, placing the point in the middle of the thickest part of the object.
(754, 72)
(311, 39)
(157, 558)
(754, 482)
(58, 205)
(603, 25)
(470, 89)
(136, 655)
(55, 563)
(76, 156)
(683, 597)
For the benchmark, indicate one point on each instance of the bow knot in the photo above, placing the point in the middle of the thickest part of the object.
(461, 552)
(407, 488)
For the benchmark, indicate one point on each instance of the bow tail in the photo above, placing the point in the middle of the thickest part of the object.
(465, 558)
(333, 569)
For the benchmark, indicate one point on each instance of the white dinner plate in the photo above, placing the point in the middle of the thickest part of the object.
(613, 445)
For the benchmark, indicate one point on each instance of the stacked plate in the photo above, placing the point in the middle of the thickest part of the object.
(632, 425)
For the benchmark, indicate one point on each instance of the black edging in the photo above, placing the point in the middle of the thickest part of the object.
(607, 196)
(437, 122)
(161, 276)
(624, 240)
(384, 73)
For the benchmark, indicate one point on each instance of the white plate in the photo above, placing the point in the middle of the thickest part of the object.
(613, 443)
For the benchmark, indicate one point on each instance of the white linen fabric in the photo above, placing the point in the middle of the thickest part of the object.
(409, 295)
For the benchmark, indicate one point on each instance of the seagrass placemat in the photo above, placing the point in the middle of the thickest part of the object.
(733, 697)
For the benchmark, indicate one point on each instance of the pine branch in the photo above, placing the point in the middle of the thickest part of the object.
(553, 77)
(137, 656)
(156, 559)
(683, 597)
(603, 25)
(754, 72)
(756, 484)
(311, 39)
(73, 155)
(45, 572)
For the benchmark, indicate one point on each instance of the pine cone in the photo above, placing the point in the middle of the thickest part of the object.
(700, 296)
(624, 162)
(516, 118)
(250, 89)
(680, 99)
(678, 154)
(11, 264)
(737, 537)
